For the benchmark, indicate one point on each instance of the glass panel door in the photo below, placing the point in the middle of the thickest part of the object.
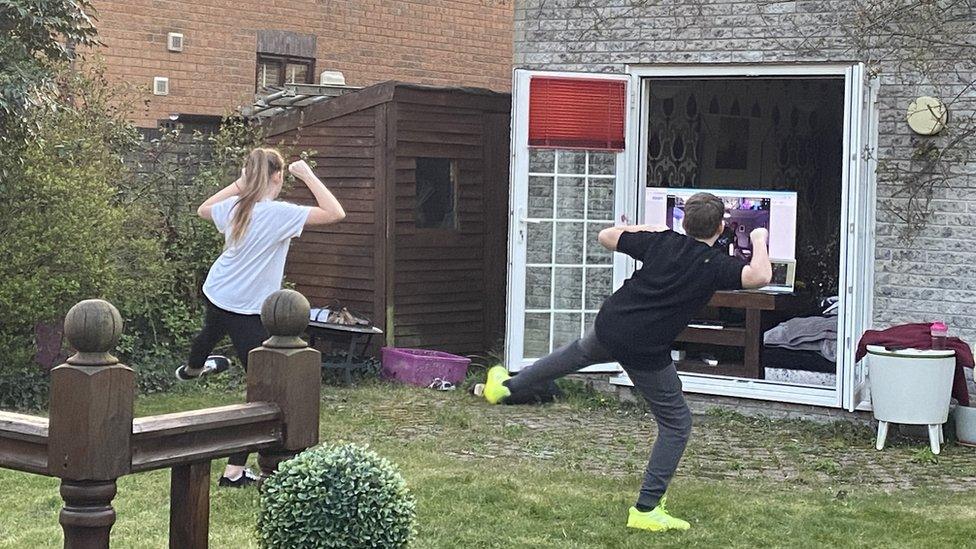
(559, 274)
(855, 288)
(859, 286)
(567, 273)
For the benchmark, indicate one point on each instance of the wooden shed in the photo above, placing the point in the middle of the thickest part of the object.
(423, 175)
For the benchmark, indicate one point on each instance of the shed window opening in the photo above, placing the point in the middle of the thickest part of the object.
(276, 71)
(436, 182)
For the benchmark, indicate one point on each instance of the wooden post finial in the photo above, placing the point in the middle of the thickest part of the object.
(285, 316)
(286, 372)
(90, 425)
(93, 328)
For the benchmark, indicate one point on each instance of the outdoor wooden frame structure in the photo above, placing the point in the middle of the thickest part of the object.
(441, 288)
(91, 438)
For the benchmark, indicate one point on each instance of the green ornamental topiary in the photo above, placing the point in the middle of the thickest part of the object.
(336, 496)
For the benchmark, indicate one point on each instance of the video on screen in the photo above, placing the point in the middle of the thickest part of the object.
(742, 216)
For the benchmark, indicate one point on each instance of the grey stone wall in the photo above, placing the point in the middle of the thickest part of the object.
(922, 280)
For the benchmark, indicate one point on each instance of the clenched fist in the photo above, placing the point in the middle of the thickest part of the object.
(300, 169)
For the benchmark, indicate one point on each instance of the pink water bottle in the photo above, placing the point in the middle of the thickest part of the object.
(939, 333)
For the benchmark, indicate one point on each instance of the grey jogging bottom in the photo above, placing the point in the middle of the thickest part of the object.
(660, 388)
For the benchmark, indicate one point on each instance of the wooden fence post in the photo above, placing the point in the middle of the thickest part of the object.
(90, 424)
(287, 372)
(189, 506)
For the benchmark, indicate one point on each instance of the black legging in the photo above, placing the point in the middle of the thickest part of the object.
(246, 332)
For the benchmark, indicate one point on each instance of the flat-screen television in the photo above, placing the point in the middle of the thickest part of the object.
(744, 211)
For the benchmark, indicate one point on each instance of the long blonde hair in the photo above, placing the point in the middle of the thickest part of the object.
(259, 169)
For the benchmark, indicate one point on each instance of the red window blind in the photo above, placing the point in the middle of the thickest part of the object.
(576, 113)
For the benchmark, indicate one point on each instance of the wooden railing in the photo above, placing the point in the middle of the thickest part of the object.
(91, 439)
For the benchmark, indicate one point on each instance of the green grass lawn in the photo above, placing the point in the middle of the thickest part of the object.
(564, 475)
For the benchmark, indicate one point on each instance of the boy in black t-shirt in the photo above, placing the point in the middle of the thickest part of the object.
(637, 325)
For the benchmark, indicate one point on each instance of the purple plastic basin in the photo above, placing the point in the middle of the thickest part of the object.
(421, 367)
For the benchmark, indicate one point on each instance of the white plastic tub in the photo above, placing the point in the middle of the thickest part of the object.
(911, 387)
(966, 425)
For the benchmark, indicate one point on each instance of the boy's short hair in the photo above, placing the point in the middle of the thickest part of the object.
(704, 213)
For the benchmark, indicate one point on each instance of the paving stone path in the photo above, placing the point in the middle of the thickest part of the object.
(615, 441)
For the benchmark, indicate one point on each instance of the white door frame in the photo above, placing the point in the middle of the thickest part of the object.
(861, 197)
(858, 218)
(518, 199)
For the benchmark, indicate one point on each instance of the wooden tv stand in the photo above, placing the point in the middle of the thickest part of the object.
(762, 312)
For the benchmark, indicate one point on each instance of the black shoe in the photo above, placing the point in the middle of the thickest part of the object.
(247, 478)
(213, 365)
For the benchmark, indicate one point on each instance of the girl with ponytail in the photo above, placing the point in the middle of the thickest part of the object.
(257, 230)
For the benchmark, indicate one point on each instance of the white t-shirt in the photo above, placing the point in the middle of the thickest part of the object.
(247, 272)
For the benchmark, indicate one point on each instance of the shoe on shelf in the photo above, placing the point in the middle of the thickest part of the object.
(709, 360)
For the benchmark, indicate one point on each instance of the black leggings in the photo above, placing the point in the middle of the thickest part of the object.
(246, 333)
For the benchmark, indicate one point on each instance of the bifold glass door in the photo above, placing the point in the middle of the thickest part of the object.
(859, 132)
(567, 273)
(860, 196)
(559, 274)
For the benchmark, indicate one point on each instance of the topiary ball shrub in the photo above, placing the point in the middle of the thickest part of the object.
(334, 496)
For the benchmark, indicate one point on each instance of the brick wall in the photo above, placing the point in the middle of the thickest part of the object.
(930, 278)
(437, 42)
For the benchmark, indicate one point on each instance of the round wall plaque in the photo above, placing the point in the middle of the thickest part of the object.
(927, 116)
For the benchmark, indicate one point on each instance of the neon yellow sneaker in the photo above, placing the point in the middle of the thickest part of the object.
(655, 520)
(495, 390)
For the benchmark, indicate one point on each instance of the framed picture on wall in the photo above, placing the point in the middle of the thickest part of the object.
(731, 149)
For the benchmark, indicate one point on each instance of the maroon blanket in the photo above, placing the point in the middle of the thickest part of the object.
(919, 336)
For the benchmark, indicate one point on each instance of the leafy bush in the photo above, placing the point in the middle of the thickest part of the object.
(336, 496)
(24, 388)
(61, 228)
(34, 42)
(59, 221)
(90, 209)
